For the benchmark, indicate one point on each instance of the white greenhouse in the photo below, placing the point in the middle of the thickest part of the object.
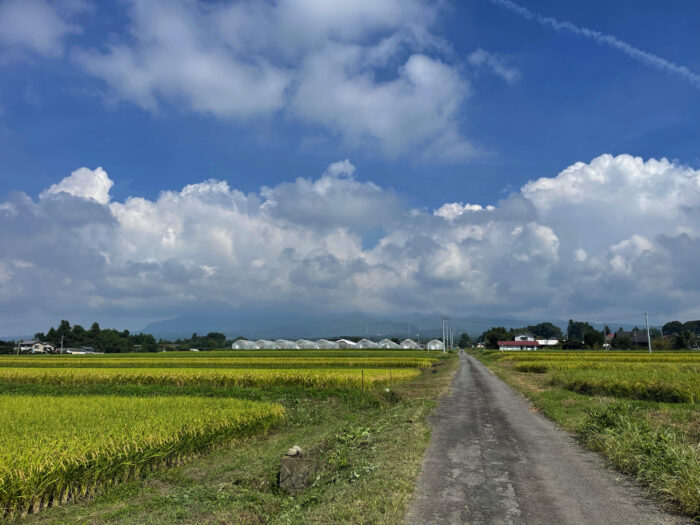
(344, 343)
(307, 345)
(243, 344)
(284, 344)
(388, 343)
(366, 343)
(409, 344)
(265, 344)
(434, 344)
(326, 344)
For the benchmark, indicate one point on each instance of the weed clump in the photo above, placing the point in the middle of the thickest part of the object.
(658, 457)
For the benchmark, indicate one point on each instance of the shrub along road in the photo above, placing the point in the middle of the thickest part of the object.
(493, 460)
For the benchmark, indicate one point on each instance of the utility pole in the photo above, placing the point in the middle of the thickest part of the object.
(646, 317)
(61, 345)
(443, 333)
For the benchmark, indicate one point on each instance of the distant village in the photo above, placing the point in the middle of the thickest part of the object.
(67, 339)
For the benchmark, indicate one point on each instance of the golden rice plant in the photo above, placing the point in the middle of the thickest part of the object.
(217, 362)
(57, 448)
(244, 377)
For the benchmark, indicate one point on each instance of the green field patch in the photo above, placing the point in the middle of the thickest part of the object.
(57, 448)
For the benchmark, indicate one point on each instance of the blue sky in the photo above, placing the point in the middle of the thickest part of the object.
(574, 100)
(432, 103)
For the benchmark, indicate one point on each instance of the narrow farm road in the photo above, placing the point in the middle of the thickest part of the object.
(492, 460)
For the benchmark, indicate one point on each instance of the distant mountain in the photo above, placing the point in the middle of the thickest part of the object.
(274, 325)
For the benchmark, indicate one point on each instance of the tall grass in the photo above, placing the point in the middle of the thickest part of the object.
(658, 457)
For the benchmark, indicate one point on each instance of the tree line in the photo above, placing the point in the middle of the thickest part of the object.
(109, 340)
(580, 335)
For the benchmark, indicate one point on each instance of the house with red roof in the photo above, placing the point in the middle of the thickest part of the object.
(521, 342)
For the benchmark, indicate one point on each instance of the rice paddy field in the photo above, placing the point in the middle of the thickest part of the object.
(640, 410)
(78, 431)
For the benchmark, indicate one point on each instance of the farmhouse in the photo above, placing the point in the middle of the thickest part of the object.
(636, 336)
(523, 344)
(36, 347)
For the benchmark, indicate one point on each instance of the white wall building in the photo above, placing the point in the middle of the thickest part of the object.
(388, 343)
(326, 344)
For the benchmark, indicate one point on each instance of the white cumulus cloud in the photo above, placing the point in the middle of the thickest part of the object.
(85, 183)
(370, 73)
(599, 238)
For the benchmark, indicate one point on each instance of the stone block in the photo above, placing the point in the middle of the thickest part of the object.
(296, 473)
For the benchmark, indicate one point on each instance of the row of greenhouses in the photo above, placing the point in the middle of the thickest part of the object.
(307, 344)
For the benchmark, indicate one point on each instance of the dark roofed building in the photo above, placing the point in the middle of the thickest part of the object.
(636, 336)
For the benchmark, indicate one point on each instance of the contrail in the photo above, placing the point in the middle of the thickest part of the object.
(638, 54)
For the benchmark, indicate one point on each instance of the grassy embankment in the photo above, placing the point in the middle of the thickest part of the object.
(639, 410)
(369, 445)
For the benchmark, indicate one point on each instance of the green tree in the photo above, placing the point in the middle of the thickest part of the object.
(148, 344)
(684, 339)
(464, 340)
(692, 326)
(577, 329)
(672, 327)
(593, 338)
(77, 336)
(495, 334)
(545, 331)
(64, 330)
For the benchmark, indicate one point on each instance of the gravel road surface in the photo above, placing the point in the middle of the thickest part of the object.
(493, 460)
